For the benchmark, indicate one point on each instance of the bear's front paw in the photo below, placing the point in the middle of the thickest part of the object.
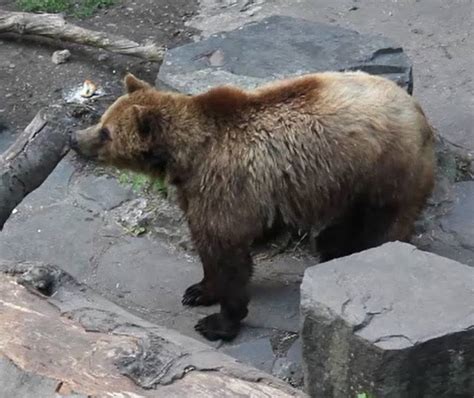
(216, 326)
(197, 295)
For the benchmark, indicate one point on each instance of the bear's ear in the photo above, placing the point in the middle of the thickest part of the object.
(133, 84)
(147, 121)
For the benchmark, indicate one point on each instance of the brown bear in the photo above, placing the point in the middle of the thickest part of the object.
(348, 155)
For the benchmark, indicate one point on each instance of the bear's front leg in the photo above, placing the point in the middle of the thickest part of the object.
(201, 293)
(234, 268)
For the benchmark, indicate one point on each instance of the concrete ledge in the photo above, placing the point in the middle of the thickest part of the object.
(57, 337)
(392, 322)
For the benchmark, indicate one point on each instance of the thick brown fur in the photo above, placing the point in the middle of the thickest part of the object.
(348, 155)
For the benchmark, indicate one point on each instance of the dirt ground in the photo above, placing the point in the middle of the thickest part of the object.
(30, 80)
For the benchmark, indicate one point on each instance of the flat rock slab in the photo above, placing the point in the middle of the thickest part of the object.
(59, 338)
(391, 321)
(278, 47)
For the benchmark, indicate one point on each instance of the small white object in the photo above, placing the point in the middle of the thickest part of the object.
(88, 89)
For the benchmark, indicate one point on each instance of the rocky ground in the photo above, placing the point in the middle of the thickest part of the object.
(132, 247)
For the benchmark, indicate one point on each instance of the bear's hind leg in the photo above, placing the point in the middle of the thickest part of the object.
(363, 227)
(342, 237)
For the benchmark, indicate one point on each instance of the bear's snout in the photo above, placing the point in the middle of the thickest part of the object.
(86, 142)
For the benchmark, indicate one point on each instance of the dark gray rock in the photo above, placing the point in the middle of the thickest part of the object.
(277, 47)
(289, 371)
(21, 384)
(460, 221)
(391, 321)
(445, 226)
(60, 56)
(6, 138)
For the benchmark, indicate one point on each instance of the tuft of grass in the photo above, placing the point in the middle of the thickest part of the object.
(77, 8)
(364, 395)
(159, 185)
(143, 183)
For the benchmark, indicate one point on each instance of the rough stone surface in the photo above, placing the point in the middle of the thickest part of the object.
(135, 215)
(445, 227)
(18, 383)
(460, 220)
(6, 138)
(103, 192)
(391, 321)
(278, 47)
(258, 352)
(68, 341)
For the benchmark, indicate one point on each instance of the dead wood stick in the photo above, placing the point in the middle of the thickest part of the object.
(54, 26)
(32, 157)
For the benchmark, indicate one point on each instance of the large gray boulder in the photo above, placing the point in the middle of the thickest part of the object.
(278, 47)
(392, 322)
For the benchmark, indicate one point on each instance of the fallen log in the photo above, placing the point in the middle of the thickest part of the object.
(32, 157)
(54, 26)
(59, 338)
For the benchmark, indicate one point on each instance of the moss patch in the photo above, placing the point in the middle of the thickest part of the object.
(77, 8)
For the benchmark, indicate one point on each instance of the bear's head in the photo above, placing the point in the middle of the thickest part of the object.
(127, 133)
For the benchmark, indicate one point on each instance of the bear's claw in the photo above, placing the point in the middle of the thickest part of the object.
(215, 327)
(196, 295)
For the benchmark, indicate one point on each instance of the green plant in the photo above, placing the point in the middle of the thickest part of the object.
(43, 5)
(86, 8)
(159, 185)
(364, 395)
(143, 183)
(78, 8)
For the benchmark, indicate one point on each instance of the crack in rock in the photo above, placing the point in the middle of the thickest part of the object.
(394, 336)
(370, 315)
(344, 306)
(385, 51)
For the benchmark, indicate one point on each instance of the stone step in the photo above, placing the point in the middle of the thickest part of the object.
(392, 321)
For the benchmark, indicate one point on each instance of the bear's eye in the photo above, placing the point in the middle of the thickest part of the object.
(104, 134)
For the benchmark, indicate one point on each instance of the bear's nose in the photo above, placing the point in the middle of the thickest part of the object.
(73, 141)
